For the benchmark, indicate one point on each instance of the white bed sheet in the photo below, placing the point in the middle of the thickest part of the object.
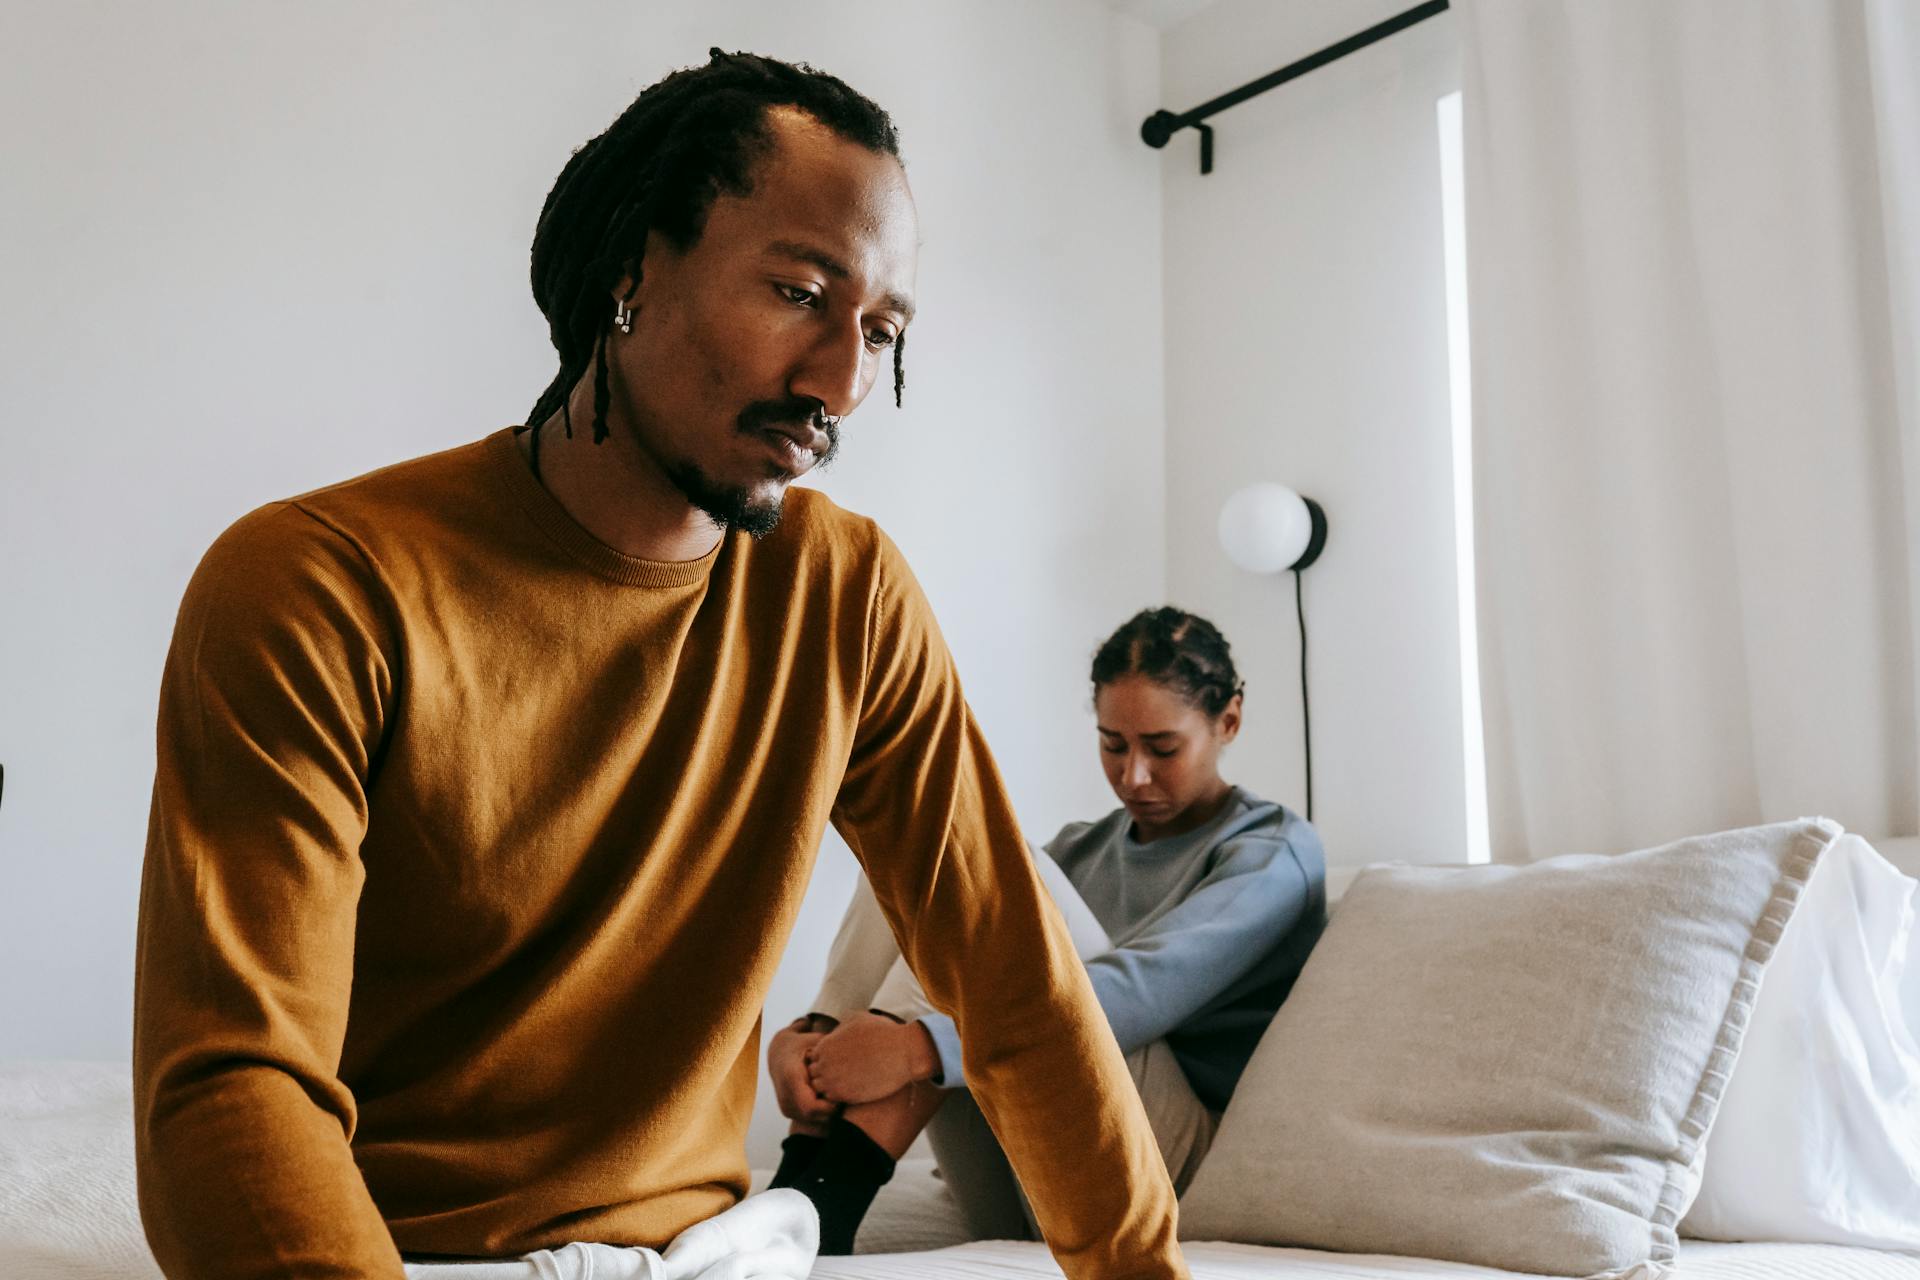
(1016, 1260)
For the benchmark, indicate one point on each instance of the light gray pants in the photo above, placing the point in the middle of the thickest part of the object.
(866, 971)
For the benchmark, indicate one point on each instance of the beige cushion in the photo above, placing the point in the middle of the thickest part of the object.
(1507, 1066)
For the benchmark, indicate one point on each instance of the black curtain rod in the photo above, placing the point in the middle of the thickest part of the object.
(1162, 125)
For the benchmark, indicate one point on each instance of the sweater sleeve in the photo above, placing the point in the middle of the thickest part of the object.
(1255, 894)
(272, 703)
(924, 810)
(946, 1047)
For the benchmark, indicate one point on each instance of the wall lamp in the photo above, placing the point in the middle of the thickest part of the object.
(1267, 528)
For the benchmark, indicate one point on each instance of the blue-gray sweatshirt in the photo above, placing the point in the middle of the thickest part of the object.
(1209, 931)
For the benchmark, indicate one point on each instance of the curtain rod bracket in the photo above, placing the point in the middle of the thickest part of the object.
(1157, 129)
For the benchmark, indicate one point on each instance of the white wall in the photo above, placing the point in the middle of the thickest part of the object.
(252, 249)
(1307, 343)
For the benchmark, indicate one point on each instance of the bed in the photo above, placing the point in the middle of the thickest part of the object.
(66, 1194)
(67, 1208)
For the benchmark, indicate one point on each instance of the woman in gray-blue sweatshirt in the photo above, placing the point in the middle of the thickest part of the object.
(1193, 905)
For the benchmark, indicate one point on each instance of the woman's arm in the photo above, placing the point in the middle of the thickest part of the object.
(1257, 893)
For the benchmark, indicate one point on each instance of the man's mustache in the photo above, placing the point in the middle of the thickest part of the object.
(792, 411)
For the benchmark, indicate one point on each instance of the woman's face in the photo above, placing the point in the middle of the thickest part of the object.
(1162, 753)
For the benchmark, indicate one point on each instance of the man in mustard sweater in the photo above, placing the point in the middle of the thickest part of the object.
(489, 784)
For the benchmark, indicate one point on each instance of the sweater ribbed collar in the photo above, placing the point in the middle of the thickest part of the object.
(552, 518)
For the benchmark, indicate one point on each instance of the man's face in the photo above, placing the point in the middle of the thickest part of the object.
(780, 316)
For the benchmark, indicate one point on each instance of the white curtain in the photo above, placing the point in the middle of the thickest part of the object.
(1693, 245)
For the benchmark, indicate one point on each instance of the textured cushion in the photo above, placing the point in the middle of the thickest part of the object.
(1818, 1137)
(1507, 1066)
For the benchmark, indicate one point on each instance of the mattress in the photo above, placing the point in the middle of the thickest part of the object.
(913, 1217)
(1012, 1260)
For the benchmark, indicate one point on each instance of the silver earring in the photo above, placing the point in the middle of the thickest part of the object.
(623, 316)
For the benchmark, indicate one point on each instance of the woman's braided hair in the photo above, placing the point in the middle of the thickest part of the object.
(684, 141)
(1172, 647)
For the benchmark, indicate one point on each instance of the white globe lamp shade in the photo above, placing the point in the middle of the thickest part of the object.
(1268, 528)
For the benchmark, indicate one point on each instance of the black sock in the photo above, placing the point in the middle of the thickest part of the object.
(796, 1154)
(848, 1171)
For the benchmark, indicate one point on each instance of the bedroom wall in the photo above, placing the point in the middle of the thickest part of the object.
(252, 250)
(1307, 344)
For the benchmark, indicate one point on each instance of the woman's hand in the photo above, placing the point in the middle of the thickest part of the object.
(787, 1065)
(869, 1057)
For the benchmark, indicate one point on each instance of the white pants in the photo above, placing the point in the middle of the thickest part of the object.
(866, 971)
(771, 1236)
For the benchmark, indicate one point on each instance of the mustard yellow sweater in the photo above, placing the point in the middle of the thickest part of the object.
(474, 847)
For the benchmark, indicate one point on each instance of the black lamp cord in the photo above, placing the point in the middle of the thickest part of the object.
(1306, 709)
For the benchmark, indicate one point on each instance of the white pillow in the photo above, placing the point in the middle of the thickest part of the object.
(1818, 1136)
(1911, 986)
(1904, 853)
